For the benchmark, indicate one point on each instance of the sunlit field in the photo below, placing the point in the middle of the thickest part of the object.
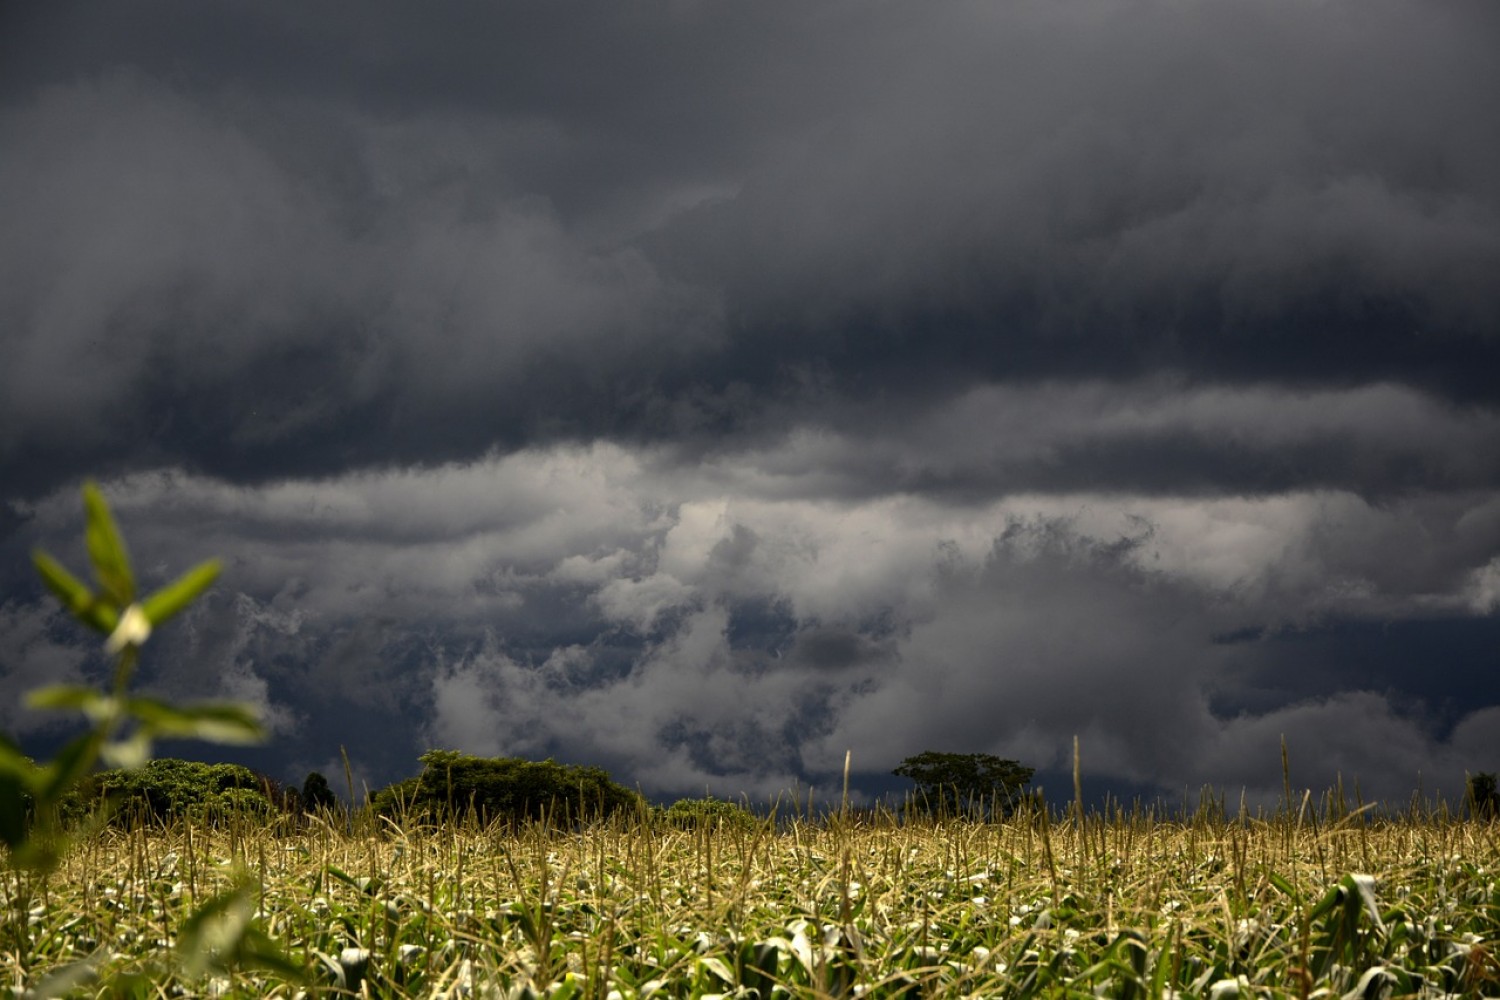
(1320, 902)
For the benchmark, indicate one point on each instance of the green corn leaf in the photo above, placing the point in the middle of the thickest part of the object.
(1286, 887)
(102, 617)
(80, 601)
(1162, 966)
(216, 722)
(107, 548)
(258, 950)
(161, 717)
(18, 777)
(339, 874)
(73, 592)
(758, 961)
(70, 697)
(72, 762)
(1363, 886)
(212, 936)
(130, 753)
(14, 807)
(1131, 966)
(71, 978)
(372, 886)
(717, 967)
(13, 761)
(177, 595)
(227, 724)
(1331, 900)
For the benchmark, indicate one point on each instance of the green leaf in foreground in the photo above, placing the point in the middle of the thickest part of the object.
(67, 980)
(130, 753)
(74, 594)
(217, 722)
(13, 800)
(107, 548)
(70, 697)
(177, 595)
(220, 936)
(72, 762)
(1284, 886)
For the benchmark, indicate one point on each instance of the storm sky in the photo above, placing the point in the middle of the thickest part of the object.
(707, 390)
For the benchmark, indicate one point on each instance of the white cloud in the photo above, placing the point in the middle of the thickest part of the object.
(1484, 588)
(240, 683)
(639, 603)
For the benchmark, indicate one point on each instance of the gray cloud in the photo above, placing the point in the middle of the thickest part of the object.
(605, 605)
(1155, 435)
(35, 654)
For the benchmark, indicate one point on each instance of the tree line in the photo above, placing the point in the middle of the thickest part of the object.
(456, 786)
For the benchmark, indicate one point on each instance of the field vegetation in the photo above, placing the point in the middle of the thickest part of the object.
(1312, 902)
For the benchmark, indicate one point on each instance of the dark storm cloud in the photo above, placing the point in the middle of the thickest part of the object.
(706, 391)
(177, 286)
(271, 241)
(1242, 190)
(1160, 435)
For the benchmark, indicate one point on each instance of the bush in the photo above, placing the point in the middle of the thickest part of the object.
(453, 785)
(317, 795)
(976, 785)
(166, 789)
(1484, 796)
(709, 812)
(397, 800)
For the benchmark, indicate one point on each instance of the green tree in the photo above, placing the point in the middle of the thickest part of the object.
(454, 785)
(709, 812)
(1484, 795)
(317, 794)
(166, 789)
(958, 784)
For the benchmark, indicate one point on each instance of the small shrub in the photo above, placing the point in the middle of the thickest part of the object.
(708, 812)
(397, 800)
(1483, 798)
(317, 794)
(977, 785)
(165, 789)
(454, 785)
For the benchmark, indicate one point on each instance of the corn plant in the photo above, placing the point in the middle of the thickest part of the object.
(121, 731)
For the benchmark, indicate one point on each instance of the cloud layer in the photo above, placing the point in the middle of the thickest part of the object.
(610, 605)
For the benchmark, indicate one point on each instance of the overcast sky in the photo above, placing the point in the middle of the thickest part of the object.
(705, 390)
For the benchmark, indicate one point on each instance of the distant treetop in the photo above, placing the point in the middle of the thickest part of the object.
(964, 784)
